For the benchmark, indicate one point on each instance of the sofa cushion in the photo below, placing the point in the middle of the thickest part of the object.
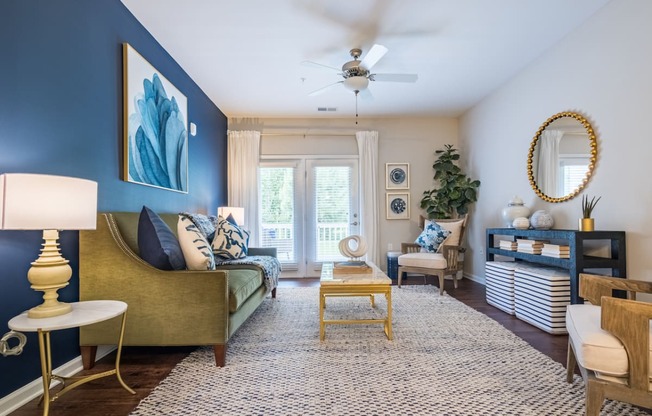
(427, 260)
(595, 348)
(157, 244)
(432, 236)
(242, 284)
(230, 240)
(197, 251)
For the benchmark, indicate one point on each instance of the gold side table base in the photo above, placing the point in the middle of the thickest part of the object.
(81, 314)
(46, 370)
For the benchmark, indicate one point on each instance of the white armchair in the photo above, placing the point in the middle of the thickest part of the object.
(445, 262)
(609, 340)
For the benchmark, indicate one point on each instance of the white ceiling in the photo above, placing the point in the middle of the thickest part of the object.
(246, 54)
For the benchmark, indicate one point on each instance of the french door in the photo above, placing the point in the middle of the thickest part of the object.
(307, 206)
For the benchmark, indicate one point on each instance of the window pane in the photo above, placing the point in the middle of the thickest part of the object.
(333, 196)
(277, 211)
(573, 171)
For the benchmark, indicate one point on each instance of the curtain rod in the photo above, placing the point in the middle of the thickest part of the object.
(309, 134)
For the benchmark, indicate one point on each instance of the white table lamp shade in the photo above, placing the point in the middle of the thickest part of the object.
(237, 212)
(47, 202)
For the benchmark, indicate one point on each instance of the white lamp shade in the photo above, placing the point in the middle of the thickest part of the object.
(357, 83)
(237, 212)
(47, 202)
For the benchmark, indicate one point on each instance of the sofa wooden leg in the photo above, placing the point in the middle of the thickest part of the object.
(274, 293)
(88, 354)
(220, 354)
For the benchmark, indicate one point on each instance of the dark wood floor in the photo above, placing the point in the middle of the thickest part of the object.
(143, 368)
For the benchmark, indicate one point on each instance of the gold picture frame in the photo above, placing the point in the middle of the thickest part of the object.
(155, 148)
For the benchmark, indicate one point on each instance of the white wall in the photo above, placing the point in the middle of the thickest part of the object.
(604, 71)
(412, 139)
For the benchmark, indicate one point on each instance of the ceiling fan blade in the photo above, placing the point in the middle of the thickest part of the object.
(322, 89)
(312, 64)
(373, 56)
(394, 77)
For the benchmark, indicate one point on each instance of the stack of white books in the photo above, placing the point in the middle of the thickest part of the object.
(556, 250)
(529, 246)
(507, 245)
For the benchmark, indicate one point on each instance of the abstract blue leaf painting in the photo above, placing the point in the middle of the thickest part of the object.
(156, 138)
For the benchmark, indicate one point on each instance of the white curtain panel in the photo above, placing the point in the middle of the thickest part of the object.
(368, 165)
(244, 154)
(548, 168)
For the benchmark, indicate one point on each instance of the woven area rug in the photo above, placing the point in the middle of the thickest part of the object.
(445, 359)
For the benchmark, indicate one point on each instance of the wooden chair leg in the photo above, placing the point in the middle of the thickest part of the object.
(441, 283)
(571, 362)
(400, 276)
(594, 398)
(455, 280)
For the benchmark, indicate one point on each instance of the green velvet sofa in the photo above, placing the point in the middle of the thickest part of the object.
(165, 308)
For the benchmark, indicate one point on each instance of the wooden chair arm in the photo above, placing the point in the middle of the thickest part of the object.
(448, 247)
(410, 248)
(629, 321)
(594, 287)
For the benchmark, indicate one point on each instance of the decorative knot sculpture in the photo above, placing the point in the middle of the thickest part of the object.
(353, 253)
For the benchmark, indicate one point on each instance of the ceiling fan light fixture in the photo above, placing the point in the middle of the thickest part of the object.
(358, 83)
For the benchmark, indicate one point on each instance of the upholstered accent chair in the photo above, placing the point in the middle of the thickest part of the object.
(609, 340)
(446, 261)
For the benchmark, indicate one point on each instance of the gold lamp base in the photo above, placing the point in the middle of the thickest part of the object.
(49, 273)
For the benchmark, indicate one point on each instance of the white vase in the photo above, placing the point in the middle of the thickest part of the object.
(541, 220)
(515, 209)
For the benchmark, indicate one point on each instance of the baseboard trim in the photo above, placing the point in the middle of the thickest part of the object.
(34, 389)
(477, 279)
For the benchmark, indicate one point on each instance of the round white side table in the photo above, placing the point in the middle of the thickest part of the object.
(83, 313)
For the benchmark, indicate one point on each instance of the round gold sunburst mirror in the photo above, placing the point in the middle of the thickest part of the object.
(562, 157)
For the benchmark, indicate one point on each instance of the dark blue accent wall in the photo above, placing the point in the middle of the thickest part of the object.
(61, 114)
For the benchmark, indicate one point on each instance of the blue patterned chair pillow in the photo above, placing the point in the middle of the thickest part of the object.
(432, 236)
(230, 240)
(197, 251)
(157, 243)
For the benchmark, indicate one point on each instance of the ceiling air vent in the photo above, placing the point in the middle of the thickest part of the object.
(332, 109)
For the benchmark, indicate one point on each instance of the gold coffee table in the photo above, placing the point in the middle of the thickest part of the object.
(354, 284)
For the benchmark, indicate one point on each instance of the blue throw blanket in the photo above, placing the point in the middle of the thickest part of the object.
(270, 266)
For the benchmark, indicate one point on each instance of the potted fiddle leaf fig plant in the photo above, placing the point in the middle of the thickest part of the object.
(456, 190)
(587, 222)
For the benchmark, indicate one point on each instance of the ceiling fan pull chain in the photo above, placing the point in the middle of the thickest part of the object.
(356, 106)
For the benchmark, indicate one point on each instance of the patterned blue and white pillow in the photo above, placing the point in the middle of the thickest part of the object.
(230, 240)
(197, 251)
(204, 223)
(432, 236)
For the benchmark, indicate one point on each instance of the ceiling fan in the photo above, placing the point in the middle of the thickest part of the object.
(357, 73)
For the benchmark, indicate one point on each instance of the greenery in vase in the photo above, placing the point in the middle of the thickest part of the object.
(588, 205)
(456, 190)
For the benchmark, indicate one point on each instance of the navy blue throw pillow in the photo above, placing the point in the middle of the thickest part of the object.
(157, 244)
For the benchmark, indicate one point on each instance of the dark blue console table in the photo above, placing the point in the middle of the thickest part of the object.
(577, 263)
